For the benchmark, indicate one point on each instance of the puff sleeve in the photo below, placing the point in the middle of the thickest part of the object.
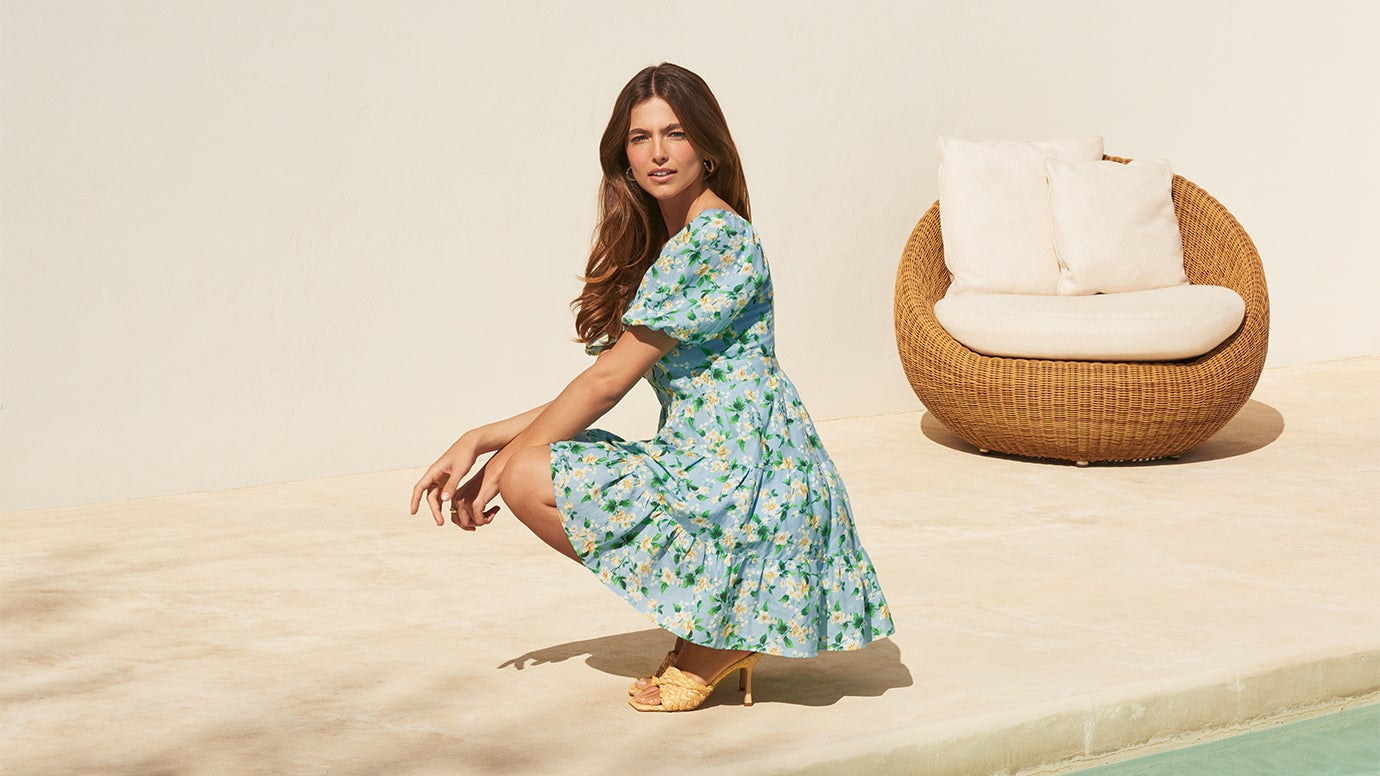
(702, 281)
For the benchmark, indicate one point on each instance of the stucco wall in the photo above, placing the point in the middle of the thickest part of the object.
(244, 242)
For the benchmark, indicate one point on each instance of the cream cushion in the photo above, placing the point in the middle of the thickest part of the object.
(1114, 226)
(996, 224)
(1164, 324)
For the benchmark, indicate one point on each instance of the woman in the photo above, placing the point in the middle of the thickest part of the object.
(730, 528)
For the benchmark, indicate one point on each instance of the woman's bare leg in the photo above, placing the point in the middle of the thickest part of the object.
(527, 490)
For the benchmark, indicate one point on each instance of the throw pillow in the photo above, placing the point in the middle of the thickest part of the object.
(996, 225)
(1114, 226)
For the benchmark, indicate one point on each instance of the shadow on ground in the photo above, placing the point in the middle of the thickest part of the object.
(819, 681)
(1254, 427)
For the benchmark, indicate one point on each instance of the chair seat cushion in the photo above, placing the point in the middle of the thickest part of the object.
(1163, 324)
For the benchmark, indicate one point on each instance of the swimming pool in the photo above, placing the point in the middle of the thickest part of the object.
(1345, 743)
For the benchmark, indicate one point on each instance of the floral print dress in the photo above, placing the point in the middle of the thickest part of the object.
(731, 527)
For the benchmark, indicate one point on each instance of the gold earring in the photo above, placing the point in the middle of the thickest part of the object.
(709, 166)
(628, 173)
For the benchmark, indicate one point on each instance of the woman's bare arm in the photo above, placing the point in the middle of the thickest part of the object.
(594, 391)
(457, 461)
(494, 436)
(591, 394)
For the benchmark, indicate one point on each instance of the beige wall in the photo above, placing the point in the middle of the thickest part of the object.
(257, 241)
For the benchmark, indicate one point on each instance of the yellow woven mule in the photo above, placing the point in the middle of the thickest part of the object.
(680, 692)
(666, 662)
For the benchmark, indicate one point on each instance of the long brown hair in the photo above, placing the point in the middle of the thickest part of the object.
(631, 230)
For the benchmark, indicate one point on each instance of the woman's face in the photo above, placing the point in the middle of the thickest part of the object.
(662, 159)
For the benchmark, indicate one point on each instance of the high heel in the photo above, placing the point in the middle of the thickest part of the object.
(666, 662)
(680, 692)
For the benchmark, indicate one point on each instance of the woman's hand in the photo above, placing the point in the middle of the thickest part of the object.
(437, 486)
(469, 508)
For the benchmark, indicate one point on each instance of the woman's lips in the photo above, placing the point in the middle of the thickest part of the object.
(661, 174)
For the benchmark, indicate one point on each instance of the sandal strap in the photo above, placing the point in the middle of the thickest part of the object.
(679, 692)
(666, 662)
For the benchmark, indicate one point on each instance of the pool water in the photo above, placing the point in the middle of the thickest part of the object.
(1346, 743)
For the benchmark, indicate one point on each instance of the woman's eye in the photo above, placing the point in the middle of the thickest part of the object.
(678, 135)
(637, 138)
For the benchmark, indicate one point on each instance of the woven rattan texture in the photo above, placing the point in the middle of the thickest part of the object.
(1088, 411)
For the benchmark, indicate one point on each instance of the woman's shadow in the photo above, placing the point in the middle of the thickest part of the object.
(818, 681)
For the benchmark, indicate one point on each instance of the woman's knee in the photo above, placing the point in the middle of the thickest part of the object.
(525, 486)
(527, 477)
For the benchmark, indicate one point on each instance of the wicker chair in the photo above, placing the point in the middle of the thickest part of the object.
(1086, 411)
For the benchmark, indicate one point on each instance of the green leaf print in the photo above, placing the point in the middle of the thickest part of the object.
(712, 471)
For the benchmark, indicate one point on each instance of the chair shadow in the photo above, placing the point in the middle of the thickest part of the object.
(819, 681)
(1257, 425)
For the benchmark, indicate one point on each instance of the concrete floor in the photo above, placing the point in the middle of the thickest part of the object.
(1047, 615)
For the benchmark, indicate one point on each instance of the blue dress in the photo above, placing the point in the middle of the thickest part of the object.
(731, 527)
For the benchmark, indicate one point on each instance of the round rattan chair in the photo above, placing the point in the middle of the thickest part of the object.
(1088, 411)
